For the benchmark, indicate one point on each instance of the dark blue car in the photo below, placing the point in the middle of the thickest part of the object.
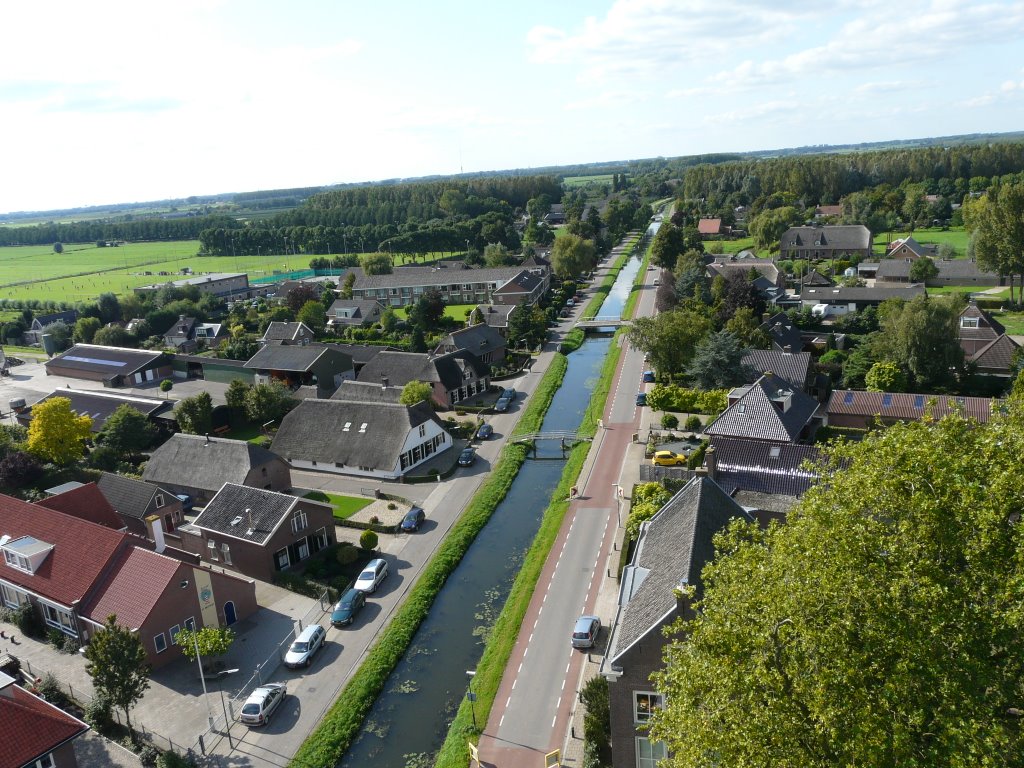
(485, 432)
(345, 610)
(413, 520)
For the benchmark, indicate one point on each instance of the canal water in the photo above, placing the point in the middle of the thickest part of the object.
(410, 718)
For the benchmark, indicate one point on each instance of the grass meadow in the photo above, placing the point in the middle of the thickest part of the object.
(954, 236)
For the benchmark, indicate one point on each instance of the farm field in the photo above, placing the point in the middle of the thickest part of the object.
(454, 311)
(577, 181)
(954, 236)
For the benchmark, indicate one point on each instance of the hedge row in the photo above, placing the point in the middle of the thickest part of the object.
(342, 722)
(683, 400)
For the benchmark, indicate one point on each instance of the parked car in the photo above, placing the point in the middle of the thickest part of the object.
(486, 432)
(345, 610)
(262, 703)
(502, 405)
(668, 459)
(657, 281)
(584, 634)
(570, 302)
(467, 457)
(373, 574)
(648, 376)
(641, 398)
(509, 392)
(413, 520)
(301, 652)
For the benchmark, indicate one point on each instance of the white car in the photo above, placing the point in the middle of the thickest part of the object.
(371, 577)
(301, 652)
(262, 703)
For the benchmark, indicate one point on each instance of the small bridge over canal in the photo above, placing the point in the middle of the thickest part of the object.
(565, 437)
(602, 321)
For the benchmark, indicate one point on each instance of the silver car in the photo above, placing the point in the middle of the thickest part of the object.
(371, 577)
(262, 703)
(301, 652)
(584, 634)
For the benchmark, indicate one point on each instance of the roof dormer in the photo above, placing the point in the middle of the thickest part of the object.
(26, 553)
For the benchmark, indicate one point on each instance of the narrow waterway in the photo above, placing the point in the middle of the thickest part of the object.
(410, 719)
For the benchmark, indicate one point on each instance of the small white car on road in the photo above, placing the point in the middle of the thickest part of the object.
(371, 577)
(262, 703)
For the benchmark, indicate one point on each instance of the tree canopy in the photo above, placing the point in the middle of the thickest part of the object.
(415, 392)
(116, 662)
(127, 431)
(571, 256)
(878, 626)
(718, 362)
(56, 433)
(669, 339)
(195, 414)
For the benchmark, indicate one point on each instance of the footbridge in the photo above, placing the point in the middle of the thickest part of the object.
(565, 437)
(602, 321)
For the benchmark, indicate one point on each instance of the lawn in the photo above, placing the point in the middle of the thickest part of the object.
(454, 311)
(579, 181)
(344, 506)
(1012, 321)
(954, 236)
(948, 289)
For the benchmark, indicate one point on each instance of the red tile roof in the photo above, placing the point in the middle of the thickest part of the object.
(86, 502)
(132, 588)
(906, 406)
(81, 550)
(709, 226)
(30, 727)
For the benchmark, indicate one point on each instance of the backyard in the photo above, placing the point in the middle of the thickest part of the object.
(344, 506)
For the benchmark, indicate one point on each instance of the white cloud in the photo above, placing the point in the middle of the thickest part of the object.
(607, 100)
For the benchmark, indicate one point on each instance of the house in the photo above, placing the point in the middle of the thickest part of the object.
(660, 584)
(287, 333)
(845, 299)
(863, 410)
(199, 465)
(76, 573)
(99, 405)
(284, 289)
(954, 272)
(770, 410)
(765, 268)
(538, 264)
(302, 365)
(783, 334)
(977, 329)
(457, 285)
(34, 334)
(360, 436)
(792, 367)
(708, 228)
(481, 340)
(556, 214)
(85, 502)
(367, 392)
(841, 241)
(33, 732)
(908, 248)
(136, 501)
(353, 313)
(524, 288)
(454, 377)
(497, 316)
(828, 211)
(997, 358)
(228, 285)
(258, 532)
(815, 279)
(361, 354)
(777, 469)
(114, 366)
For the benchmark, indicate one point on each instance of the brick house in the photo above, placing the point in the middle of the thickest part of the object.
(862, 410)
(481, 340)
(671, 550)
(842, 241)
(453, 377)
(770, 410)
(33, 732)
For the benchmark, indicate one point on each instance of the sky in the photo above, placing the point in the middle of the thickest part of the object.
(112, 102)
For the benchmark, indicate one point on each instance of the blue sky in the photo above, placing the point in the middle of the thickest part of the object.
(109, 102)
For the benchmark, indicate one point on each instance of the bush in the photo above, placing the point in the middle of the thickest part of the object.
(148, 755)
(99, 713)
(669, 420)
(392, 505)
(368, 540)
(70, 645)
(174, 760)
(56, 638)
(597, 718)
(693, 424)
(682, 400)
(50, 689)
(27, 620)
(374, 520)
(347, 553)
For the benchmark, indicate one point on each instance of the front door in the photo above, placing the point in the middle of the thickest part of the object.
(229, 613)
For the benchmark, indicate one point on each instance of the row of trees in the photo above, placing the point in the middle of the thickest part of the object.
(179, 228)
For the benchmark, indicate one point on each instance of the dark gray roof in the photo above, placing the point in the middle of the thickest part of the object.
(278, 331)
(181, 331)
(362, 310)
(290, 357)
(206, 463)
(791, 366)
(402, 367)
(99, 405)
(252, 514)
(361, 354)
(111, 361)
(428, 276)
(949, 269)
(814, 277)
(496, 315)
(839, 237)
(524, 282)
(844, 294)
(351, 433)
(367, 392)
(477, 339)
(764, 267)
(782, 332)
(671, 551)
(771, 468)
(68, 317)
(128, 496)
(770, 409)
(996, 356)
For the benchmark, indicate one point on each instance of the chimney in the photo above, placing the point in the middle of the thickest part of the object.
(207, 437)
(383, 382)
(711, 462)
(156, 532)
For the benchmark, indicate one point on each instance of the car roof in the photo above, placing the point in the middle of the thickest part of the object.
(308, 632)
(375, 562)
(584, 621)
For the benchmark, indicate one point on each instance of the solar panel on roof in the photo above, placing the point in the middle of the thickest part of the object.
(848, 399)
(919, 401)
(886, 400)
(92, 360)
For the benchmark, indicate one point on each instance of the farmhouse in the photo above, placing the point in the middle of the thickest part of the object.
(227, 285)
(844, 241)
(454, 377)
(99, 405)
(114, 366)
(302, 365)
(34, 334)
(963, 272)
(481, 340)
(861, 410)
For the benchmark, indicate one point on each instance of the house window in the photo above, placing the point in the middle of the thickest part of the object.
(15, 560)
(60, 619)
(299, 521)
(11, 597)
(320, 539)
(159, 499)
(173, 631)
(46, 761)
(281, 560)
(742, 408)
(160, 642)
(303, 549)
(968, 322)
(190, 624)
(423, 430)
(644, 704)
(211, 549)
(225, 552)
(648, 752)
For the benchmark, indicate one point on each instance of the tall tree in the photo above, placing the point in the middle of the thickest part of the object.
(376, 263)
(669, 339)
(268, 402)
(668, 245)
(571, 256)
(415, 392)
(877, 626)
(923, 335)
(996, 223)
(300, 295)
(195, 414)
(922, 270)
(497, 255)
(428, 310)
(718, 362)
(56, 433)
(116, 662)
(127, 431)
(314, 316)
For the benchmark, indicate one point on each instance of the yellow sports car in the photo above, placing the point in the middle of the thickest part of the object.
(668, 459)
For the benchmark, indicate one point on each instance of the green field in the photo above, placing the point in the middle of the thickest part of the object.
(955, 236)
(454, 311)
(344, 506)
(579, 181)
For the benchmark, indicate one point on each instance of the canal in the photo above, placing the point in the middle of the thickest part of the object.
(410, 719)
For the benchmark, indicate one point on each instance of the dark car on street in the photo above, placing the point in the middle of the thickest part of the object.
(486, 432)
(467, 457)
(502, 405)
(413, 520)
(345, 610)
(641, 398)
(509, 392)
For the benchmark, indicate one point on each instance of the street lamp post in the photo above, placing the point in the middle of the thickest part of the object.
(202, 679)
(472, 696)
(618, 503)
(223, 703)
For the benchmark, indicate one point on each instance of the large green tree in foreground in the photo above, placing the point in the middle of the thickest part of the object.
(881, 626)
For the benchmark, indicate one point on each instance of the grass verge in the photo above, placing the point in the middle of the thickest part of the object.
(344, 506)
(341, 724)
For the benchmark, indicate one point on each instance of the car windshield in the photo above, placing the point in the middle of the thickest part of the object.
(579, 634)
(366, 575)
(298, 647)
(252, 708)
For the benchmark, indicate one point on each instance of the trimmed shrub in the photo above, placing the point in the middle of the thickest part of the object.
(669, 420)
(99, 713)
(368, 540)
(148, 755)
(347, 553)
(694, 424)
(49, 688)
(174, 760)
